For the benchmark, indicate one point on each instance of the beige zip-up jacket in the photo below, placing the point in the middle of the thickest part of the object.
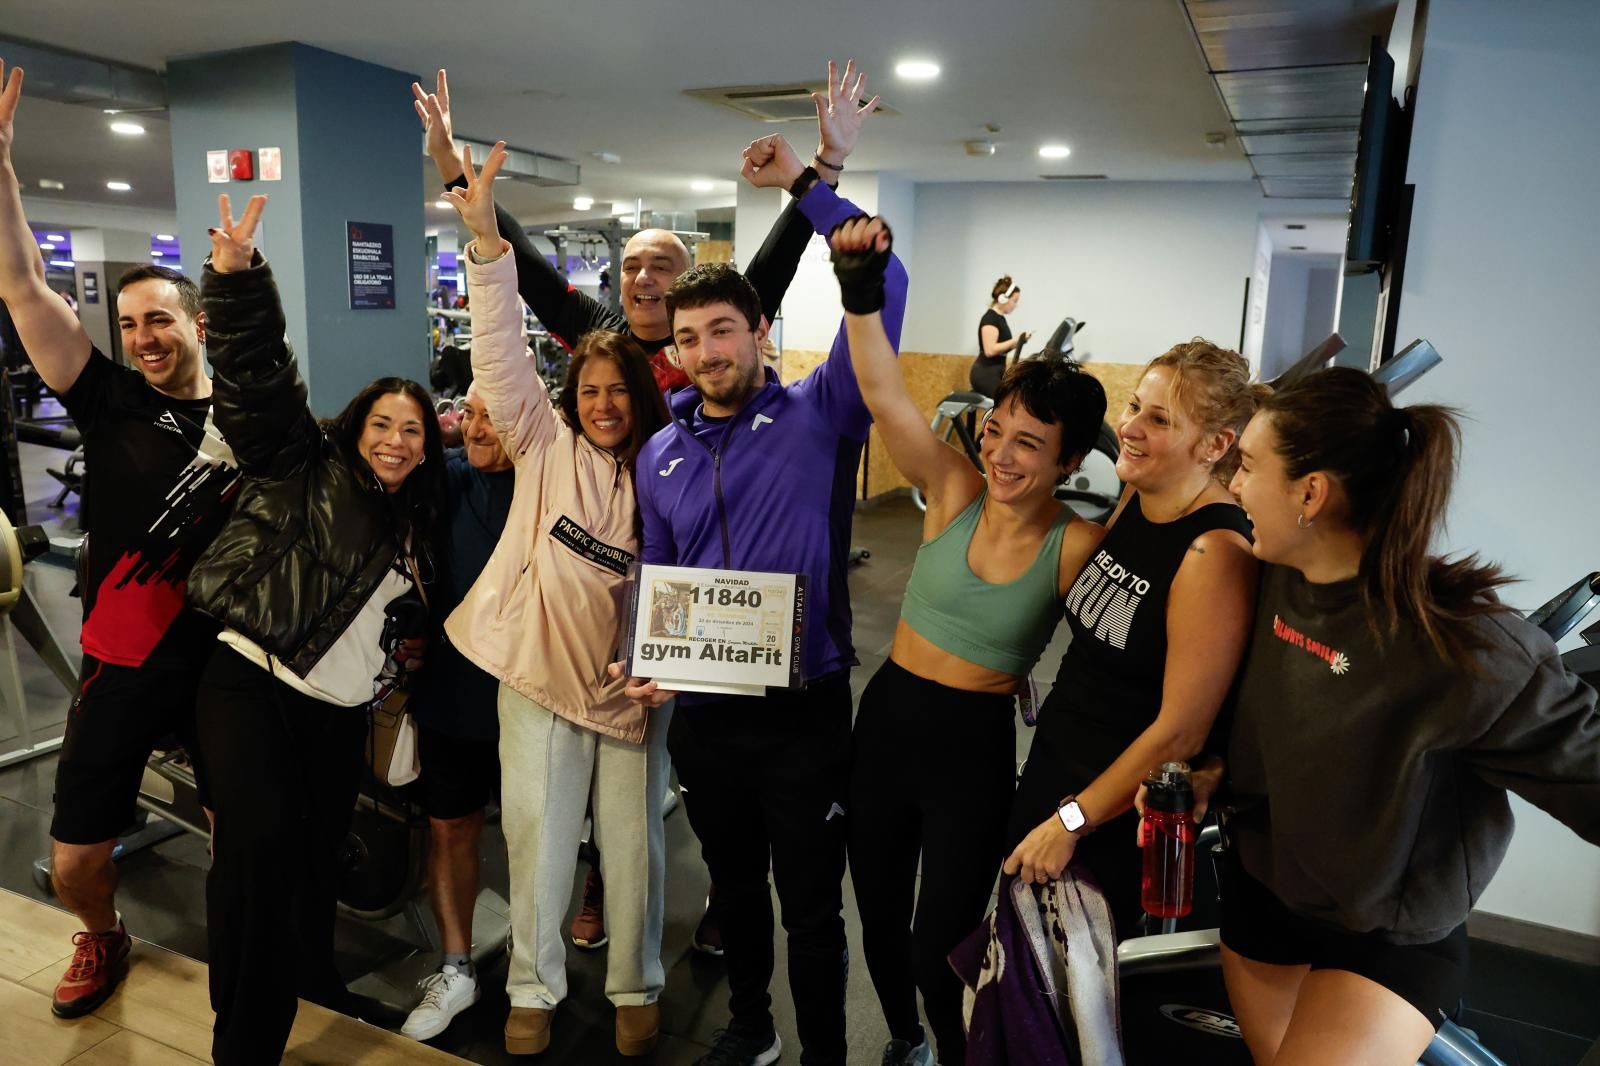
(546, 615)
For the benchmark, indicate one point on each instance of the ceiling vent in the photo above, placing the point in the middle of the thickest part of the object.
(773, 103)
(534, 168)
(1073, 177)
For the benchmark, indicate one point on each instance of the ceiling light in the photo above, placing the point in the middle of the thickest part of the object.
(445, 204)
(1054, 151)
(582, 203)
(165, 237)
(65, 264)
(58, 238)
(916, 70)
(702, 185)
(127, 129)
(46, 246)
(119, 186)
(51, 183)
(157, 255)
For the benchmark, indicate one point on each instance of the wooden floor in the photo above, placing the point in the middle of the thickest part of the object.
(160, 1016)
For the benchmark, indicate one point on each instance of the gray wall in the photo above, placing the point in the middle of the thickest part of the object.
(350, 151)
(1500, 276)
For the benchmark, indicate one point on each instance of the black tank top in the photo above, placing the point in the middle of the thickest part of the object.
(1108, 689)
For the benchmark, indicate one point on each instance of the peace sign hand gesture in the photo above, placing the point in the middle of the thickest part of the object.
(475, 203)
(233, 244)
(10, 96)
(839, 120)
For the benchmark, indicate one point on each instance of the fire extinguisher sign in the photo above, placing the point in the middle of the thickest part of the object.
(371, 252)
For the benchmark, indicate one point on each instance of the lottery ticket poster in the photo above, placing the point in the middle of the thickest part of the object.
(734, 632)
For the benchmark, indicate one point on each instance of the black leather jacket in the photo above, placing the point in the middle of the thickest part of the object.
(312, 531)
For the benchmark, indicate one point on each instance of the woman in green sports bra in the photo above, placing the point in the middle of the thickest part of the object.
(934, 759)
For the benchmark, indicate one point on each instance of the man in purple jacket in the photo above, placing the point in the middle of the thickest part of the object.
(756, 475)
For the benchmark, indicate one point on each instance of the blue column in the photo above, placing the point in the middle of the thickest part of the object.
(351, 153)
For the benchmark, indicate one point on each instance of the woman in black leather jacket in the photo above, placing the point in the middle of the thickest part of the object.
(319, 580)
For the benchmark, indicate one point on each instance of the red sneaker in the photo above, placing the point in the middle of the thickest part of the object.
(589, 927)
(98, 965)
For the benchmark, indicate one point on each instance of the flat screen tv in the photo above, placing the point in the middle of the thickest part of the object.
(1380, 167)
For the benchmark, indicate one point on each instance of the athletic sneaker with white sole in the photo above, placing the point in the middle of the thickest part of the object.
(444, 995)
(903, 1053)
(741, 1049)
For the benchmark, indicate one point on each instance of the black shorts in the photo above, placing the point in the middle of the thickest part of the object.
(459, 775)
(119, 716)
(1255, 924)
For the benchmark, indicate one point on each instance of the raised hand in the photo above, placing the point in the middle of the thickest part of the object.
(860, 256)
(434, 111)
(10, 96)
(233, 244)
(839, 120)
(771, 163)
(475, 203)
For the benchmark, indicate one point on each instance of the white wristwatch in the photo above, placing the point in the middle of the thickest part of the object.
(1072, 816)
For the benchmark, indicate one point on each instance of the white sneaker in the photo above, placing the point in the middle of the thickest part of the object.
(444, 995)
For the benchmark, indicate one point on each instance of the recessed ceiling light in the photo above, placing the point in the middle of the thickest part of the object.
(1054, 151)
(916, 70)
(582, 203)
(165, 237)
(46, 246)
(445, 204)
(119, 186)
(58, 238)
(127, 129)
(51, 183)
(701, 185)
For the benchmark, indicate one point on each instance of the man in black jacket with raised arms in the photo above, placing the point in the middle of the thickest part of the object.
(159, 480)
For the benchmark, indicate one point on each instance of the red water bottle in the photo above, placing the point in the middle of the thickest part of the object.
(1167, 890)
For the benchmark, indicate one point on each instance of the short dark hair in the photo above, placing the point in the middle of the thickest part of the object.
(1057, 392)
(714, 283)
(649, 409)
(188, 291)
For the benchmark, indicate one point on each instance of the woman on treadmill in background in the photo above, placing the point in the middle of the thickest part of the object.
(995, 342)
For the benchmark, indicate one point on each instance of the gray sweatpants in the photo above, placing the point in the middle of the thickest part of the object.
(553, 772)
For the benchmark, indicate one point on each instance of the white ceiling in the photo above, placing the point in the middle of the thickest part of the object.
(1120, 81)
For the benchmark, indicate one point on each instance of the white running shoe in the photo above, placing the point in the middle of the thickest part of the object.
(444, 995)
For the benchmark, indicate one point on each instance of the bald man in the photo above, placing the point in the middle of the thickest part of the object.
(651, 260)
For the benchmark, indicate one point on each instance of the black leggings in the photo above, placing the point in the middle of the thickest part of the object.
(931, 776)
(285, 772)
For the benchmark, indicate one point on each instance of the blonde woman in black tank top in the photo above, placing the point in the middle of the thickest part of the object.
(934, 757)
(1159, 621)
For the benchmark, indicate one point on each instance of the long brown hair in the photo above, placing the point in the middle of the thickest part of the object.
(1212, 385)
(649, 409)
(1396, 465)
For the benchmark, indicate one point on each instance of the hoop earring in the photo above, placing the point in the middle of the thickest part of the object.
(1302, 523)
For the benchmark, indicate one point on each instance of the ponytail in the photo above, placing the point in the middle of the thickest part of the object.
(1396, 465)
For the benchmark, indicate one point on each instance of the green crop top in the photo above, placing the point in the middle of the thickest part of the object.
(1004, 627)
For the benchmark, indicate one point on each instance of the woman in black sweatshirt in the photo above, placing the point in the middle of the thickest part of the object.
(1388, 702)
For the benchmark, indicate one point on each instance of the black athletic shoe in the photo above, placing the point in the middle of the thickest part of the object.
(740, 1049)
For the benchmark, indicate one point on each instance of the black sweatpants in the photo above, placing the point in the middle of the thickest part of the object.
(767, 779)
(285, 770)
(932, 776)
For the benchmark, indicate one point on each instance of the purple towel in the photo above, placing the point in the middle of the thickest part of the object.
(1041, 978)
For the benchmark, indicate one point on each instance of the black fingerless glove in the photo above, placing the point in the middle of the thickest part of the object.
(860, 274)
